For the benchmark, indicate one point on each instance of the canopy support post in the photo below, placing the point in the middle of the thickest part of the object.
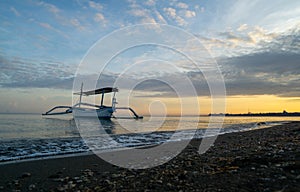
(80, 94)
(102, 98)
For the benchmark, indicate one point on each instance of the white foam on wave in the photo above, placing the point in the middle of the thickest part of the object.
(15, 150)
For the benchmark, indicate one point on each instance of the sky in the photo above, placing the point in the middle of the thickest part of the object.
(255, 45)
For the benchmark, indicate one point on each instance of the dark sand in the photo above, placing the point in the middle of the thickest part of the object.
(260, 160)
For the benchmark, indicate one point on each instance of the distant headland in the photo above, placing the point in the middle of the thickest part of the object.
(249, 114)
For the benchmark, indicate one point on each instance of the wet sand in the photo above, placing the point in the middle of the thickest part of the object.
(260, 160)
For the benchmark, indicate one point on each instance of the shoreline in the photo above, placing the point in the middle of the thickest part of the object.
(46, 158)
(67, 153)
(259, 160)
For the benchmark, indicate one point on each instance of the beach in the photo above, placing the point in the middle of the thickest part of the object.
(258, 160)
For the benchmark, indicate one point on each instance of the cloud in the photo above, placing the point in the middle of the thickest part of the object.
(96, 6)
(77, 24)
(133, 4)
(178, 16)
(20, 72)
(171, 12)
(15, 11)
(189, 14)
(139, 12)
(56, 83)
(256, 74)
(267, 70)
(259, 34)
(50, 7)
(149, 20)
(150, 2)
(62, 18)
(242, 27)
(199, 8)
(264, 65)
(273, 68)
(236, 38)
(183, 9)
(256, 35)
(260, 73)
(182, 5)
(50, 27)
(99, 17)
(290, 42)
(146, 15)
(155, 88)
(160, 18)
(46, 25)
(264, 62)
(275, 17)
(244, 40)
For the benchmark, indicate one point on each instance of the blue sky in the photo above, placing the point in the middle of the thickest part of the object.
(256, 43)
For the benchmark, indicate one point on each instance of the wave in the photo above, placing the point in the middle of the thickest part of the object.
(14, 150)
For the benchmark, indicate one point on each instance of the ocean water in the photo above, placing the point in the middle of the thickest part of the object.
(24, 136)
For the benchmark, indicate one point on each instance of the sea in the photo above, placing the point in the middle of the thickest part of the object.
(32, 136)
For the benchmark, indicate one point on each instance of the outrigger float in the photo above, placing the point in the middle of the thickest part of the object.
(82, 109)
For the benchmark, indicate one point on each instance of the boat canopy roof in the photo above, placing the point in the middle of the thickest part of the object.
(98, 91)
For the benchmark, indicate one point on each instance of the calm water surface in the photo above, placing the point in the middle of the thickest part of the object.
(31, 136)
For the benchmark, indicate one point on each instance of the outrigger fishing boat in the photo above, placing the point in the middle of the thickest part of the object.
(82, 109)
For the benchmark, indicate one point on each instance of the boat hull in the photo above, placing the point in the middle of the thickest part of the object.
(103, 113)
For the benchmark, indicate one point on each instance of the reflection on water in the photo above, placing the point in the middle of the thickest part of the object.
(34, 126)
(24, 126)
(31, 136)
(94, 126)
